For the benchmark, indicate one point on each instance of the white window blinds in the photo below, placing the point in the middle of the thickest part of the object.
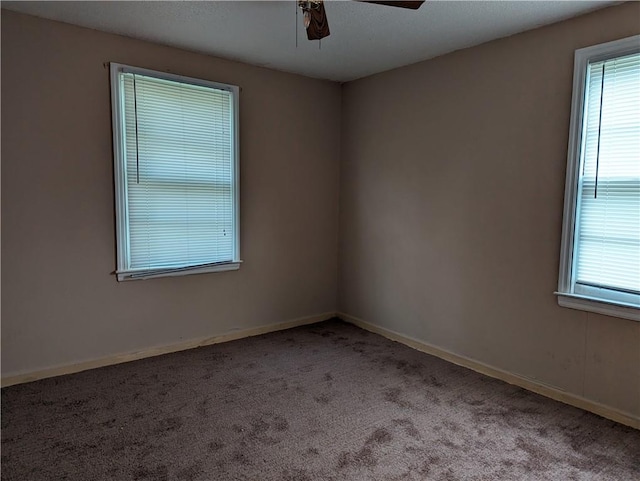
(607, 231)
(177, 174)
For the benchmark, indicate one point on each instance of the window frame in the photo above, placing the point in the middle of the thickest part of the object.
(567, 297)
(124, 272)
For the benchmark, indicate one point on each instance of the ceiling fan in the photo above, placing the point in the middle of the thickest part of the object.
(315, 17)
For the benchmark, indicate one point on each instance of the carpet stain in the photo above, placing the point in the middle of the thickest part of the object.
(264, 429)
(236, 428)
(156, 473)
(202, 407)
(394, 395)
(296, 475)
(215, 446)
(451, 426)
(241, 458)
(427, 466)
(578, 438)
(259, 426)
(169, 425)
(108, 424)
(379, 436)
(363, 458)
(280, 424)
(434, 381)
(366, 456)
(322, 398)
(190, 473)
(408, 426)
(359, 346)
(539, 458)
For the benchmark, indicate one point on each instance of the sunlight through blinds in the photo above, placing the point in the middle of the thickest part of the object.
(179, 172)
(608, 214)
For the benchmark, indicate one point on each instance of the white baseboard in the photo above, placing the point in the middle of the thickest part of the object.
(159, 350)
(523, 382)
(515, 379)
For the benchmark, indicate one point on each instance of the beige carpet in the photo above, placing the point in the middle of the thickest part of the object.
(322, 402)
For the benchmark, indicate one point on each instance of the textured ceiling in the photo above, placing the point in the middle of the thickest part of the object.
(365, 38)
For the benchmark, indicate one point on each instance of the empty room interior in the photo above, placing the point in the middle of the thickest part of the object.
(312, 240)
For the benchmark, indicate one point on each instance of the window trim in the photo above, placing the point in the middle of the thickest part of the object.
(124, 273)
(567, 297)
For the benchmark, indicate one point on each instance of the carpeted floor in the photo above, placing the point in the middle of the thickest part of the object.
(322, 402)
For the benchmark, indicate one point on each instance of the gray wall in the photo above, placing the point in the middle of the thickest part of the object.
(452, 185)
(60, 303)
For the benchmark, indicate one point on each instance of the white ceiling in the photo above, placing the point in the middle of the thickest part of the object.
(365, 38)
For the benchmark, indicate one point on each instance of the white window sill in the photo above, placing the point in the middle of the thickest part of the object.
(181, 271)
(599, 306)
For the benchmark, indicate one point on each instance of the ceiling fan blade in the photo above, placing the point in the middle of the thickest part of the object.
(318, 26)
(412, 5)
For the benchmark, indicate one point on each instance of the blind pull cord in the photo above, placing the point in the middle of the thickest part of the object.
(296, 24)
(135, 113)
(595, 190)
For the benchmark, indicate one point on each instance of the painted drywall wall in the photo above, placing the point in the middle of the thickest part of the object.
(452, 185)
(61, 304)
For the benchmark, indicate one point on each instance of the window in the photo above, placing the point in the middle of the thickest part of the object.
(176, 174)
(600, 256)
